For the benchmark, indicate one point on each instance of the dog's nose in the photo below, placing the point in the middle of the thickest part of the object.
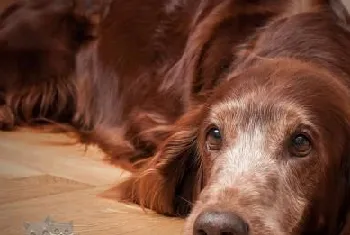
(219, 223)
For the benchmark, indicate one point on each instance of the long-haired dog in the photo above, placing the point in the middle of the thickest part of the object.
(234, 112)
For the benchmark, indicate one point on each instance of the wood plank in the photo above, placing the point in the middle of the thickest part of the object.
(67, 190)
(58, 159)
(91, 215)
(13, 190)
(10, 170)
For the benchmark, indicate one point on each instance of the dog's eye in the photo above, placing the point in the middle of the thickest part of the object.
(300, 145)
(214, 139)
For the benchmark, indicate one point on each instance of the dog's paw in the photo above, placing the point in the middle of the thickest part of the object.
(7, 119)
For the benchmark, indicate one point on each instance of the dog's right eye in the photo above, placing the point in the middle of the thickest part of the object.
(300, 145)
(214, 139)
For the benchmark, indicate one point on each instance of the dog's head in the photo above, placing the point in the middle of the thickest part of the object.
(253, 163)
(268, 152)
(270, 162)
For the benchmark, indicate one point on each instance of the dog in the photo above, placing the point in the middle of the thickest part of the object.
(228, 108)
(259, 156)
(118, 73)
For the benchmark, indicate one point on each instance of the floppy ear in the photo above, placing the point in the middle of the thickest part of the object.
(185, 76)
(345, 210)
(172, 179)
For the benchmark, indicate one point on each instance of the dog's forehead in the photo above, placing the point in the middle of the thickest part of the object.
(257, 108)
(278, 90)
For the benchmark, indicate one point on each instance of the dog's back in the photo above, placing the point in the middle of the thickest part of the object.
(121, 75)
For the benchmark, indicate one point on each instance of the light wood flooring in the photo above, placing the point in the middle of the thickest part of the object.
(45, 174)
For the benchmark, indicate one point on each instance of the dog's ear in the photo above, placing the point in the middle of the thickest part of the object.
(346, 228)
(171, 180)
(341, 200)
(206, 37)
(344, 217)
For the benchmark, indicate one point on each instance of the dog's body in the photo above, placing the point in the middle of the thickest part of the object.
(231, 97)
(125, 84)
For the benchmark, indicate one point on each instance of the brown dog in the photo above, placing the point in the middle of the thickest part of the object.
(238, 101)
(121, 73)
(269, 149)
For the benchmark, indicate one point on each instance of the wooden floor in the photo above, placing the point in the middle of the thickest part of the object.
(45, 174)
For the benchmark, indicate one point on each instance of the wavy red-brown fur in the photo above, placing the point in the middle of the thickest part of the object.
(134, 77)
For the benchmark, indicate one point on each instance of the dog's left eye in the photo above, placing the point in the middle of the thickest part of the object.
(214, 139)
(300, 145)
